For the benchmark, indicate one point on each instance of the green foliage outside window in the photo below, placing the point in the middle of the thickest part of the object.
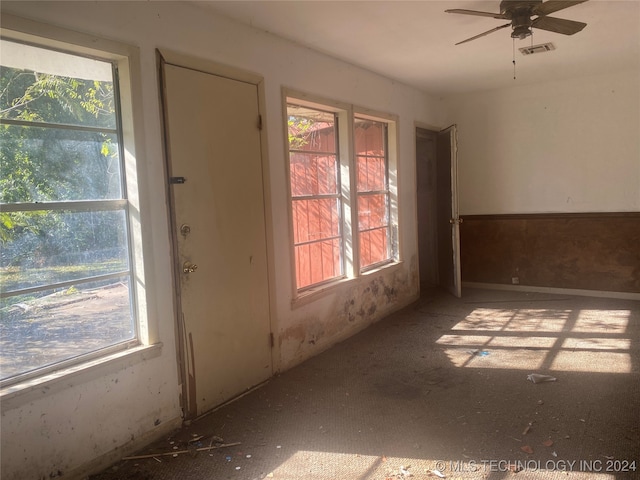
(41, 163)
(64, 245)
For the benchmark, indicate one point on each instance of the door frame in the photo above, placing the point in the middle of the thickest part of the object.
(427, 214)
(454, 214)
(168, 57)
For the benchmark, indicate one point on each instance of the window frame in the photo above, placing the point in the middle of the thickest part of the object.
(334, 198)
(389, 167)
(342, 151)
(126, 61)
(348, 173)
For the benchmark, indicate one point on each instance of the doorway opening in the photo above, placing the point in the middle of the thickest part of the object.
(438, 218)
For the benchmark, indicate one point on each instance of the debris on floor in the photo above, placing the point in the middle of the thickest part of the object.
(539, 378)
(191, 444)
(479, 353)
(405, 472)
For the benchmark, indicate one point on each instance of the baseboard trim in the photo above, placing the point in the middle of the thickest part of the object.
(102, 462)
(554, 290)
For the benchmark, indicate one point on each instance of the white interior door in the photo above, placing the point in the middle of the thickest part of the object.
(215, 167)
(449, 273)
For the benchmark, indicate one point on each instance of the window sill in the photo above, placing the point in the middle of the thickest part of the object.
(18, 394)
(313, 294)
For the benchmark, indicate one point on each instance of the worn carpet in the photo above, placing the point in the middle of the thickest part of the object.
(437, 390)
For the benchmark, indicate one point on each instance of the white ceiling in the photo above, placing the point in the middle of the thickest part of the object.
(413, 41)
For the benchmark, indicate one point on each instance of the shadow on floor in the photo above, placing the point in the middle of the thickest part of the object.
(439, 388)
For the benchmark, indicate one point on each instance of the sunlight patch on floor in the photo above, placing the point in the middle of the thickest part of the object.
(320, 465)
(606, 362)
(609, 321)
(550, 339)
(528, 320)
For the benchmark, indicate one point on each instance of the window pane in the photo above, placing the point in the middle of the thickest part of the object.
(372, 211)
(40, 85)
(313, 174)
(56, 304)
(374, 246)
(369, 136)
(315, 219)
(370, 155)
(49, 164)
(373, 208)
(57, 326)
(46, 247)
(372, 174)
(311, 130)
(318, 262)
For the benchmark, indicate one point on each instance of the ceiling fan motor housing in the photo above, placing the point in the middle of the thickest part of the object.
(519, 12)
(515, 5)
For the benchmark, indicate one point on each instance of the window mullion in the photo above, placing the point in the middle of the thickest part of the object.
(69, 283)
(315, 197)
(67, 206)
(57, 126)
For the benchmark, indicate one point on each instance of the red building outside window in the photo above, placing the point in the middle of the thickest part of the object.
(315, 192)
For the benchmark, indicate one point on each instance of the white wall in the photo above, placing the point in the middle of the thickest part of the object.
(568, 146)
(102, 414)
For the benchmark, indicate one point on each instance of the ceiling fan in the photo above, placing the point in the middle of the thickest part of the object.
(520, 13)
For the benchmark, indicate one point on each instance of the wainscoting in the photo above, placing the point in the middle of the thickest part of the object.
(591, 251)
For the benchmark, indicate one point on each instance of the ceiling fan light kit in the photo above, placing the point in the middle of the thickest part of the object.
(520, 14)
(540, 48)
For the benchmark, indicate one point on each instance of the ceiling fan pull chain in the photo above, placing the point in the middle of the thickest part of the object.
(514, 58)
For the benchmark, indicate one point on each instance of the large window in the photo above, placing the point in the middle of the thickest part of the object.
(66, 288)
(372, 191)
(315, 194)
(340, 167)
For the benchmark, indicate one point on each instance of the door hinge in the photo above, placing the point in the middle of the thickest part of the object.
(272, 340)
(259, 122)
(177, 180)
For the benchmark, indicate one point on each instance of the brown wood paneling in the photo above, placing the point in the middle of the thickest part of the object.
(592, 251)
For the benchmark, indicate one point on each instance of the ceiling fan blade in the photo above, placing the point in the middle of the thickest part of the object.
(475, 12)
(551, 6)
(558, 25)
(485, 33)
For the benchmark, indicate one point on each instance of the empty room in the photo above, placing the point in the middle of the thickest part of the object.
(429, 266)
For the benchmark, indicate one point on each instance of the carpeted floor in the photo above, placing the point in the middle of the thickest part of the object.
(438, 390)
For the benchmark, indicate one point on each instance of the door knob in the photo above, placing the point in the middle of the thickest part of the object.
(188, 267)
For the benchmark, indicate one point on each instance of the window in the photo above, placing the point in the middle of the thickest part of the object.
(372, 191)
(315, 194)
(66, 262)
(342, 203)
